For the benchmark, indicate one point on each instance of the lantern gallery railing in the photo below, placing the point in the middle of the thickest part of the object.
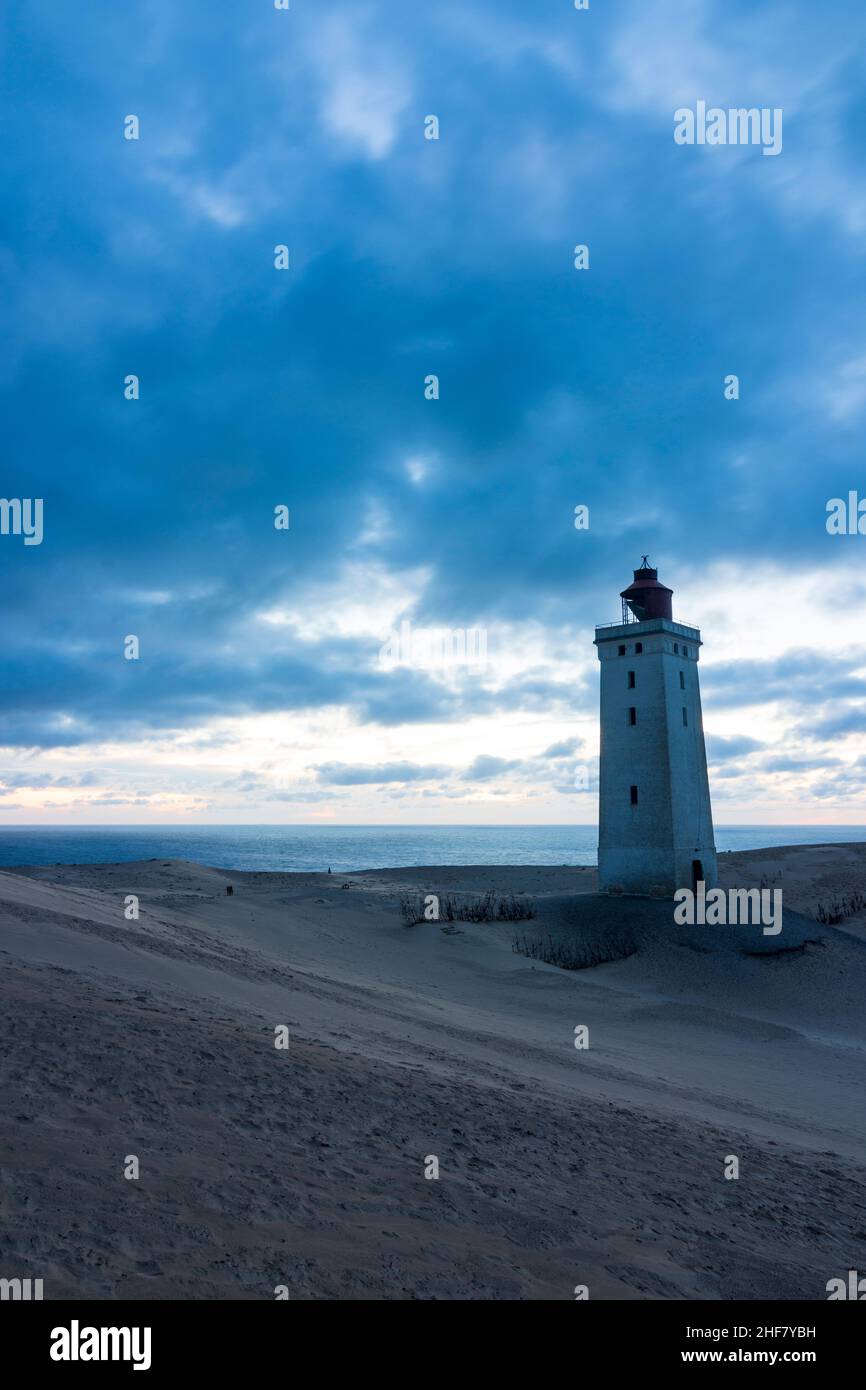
(689, 627)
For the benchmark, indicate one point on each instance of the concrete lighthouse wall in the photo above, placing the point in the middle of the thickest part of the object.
(655, 821)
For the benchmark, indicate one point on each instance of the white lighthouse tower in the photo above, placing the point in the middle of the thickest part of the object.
(655, 826)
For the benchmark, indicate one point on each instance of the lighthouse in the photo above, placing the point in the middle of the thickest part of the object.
(655, 825)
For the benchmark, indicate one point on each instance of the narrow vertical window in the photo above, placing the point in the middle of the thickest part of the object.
(685, 715)
(677, 648)
(638, 646)
(622, 651)
(631, 680)
(682, 681)
(634, 796)
(632, 715)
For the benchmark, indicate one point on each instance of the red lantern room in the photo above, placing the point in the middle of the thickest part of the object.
(646, 598)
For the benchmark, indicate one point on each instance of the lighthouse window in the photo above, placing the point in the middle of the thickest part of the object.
(622, 651)
(682, 680)
(631, 680)
(633, 796)
(632, 715)
(638, 646)
(685, 715)
(677, 648)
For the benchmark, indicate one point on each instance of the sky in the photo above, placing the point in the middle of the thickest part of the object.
(273, 680)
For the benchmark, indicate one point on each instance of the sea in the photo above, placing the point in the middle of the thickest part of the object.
(297, 848)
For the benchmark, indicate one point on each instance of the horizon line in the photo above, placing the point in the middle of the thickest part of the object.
(394, 825)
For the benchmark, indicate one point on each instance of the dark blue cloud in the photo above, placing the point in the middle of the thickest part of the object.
(799, 678)
(719, 748)
(795, 764)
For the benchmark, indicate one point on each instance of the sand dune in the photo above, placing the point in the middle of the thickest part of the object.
(305, 1167)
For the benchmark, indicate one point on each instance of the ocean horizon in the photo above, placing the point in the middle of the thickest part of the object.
(347, 848)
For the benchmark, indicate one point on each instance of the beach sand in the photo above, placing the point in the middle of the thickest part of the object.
(305, 1167)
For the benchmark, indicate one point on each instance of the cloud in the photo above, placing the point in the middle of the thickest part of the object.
(790, 763)
(796, 678)
(719, 749)
(849, 720)
(341, 775)
(31, 781)
(485, 767)
(564, 749)
(365, 84)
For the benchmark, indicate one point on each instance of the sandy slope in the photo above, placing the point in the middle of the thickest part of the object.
(306, 1168)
